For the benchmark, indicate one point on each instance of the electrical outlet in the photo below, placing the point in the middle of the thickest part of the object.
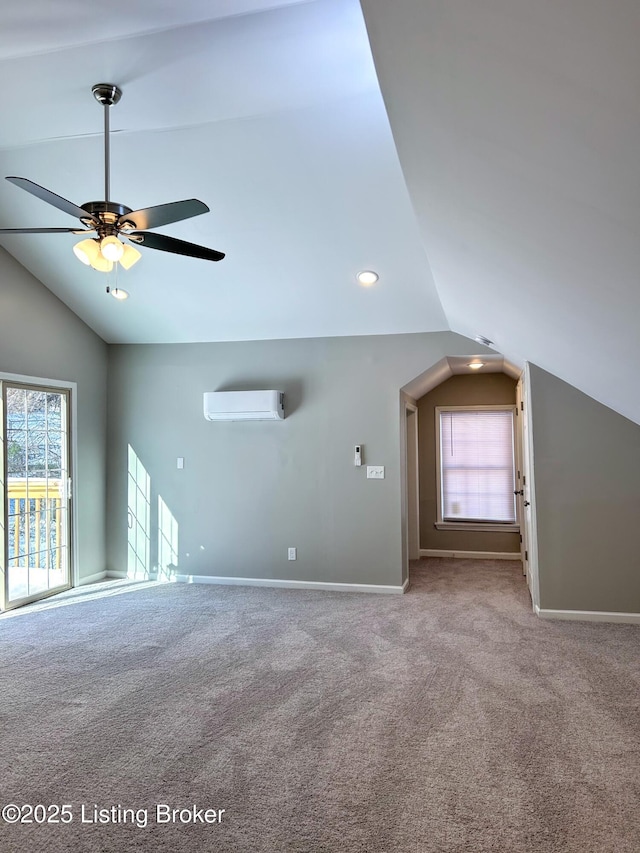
(292, 554)
(375, 472)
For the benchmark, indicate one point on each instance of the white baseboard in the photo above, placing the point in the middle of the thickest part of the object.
(588, 615)
(115, 575)
(284, 584)
(471, 555)
(99, 576)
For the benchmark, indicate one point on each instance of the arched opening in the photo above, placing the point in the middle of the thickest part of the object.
(453, 386)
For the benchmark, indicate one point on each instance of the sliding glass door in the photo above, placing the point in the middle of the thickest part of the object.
(36, 492)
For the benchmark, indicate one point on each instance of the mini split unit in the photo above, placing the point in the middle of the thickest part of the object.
(244, 405)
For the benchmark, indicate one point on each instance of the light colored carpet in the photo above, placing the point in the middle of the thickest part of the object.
(446, 720)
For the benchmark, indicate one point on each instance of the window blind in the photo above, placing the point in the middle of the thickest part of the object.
(477, 465)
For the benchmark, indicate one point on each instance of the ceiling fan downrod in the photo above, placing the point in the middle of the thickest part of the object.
(106, 94)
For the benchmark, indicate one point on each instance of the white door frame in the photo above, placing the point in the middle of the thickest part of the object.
(72, 387)
(409, 478)
(413, 483)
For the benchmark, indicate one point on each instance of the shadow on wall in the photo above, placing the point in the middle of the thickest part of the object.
(292, 388)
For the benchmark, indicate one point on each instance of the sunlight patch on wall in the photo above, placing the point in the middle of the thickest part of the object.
(138, 518)
(167, 542)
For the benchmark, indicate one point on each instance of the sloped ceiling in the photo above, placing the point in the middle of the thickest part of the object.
(271, 115)
(498, 193)
(517, 124)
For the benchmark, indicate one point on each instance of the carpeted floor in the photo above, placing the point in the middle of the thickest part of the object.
(450, 719)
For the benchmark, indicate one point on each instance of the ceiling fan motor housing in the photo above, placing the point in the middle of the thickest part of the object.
(107, 213)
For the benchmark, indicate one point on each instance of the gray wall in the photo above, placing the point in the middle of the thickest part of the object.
(249, 490)
(41, 337)
(482, 389)
(587, 482)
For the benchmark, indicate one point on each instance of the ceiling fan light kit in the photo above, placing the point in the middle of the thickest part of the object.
(113, 227)
(129, 257)
(86, 251)
(111, 248)
(102, 264)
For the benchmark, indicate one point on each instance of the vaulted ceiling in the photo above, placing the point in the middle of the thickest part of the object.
(484, 158)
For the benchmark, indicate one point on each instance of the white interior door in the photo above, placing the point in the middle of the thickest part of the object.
(521, 477)
(526, 509)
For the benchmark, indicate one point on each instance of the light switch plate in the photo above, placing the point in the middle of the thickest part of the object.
(375, 472)
(180, 462)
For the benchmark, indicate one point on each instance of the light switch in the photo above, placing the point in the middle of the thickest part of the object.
(375, 472)
(180, 462)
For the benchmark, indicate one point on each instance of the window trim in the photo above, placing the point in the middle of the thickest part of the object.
(475, 526)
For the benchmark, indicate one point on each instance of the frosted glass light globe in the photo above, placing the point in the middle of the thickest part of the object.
(111, 248)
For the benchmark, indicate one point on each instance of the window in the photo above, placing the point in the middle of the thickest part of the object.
(476, 469)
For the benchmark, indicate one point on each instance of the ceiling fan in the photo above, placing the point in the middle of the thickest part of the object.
(110, 227)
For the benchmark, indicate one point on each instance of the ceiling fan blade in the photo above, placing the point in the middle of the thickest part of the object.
(164, 214)
(171, 244)
(51, 198)
(46, 231)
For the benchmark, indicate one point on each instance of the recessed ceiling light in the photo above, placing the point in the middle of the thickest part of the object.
(367, 277)
(119, 293)
(475, 365)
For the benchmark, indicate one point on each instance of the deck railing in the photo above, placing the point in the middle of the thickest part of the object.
(35, 519)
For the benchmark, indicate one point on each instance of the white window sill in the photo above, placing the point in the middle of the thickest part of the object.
(477, 526)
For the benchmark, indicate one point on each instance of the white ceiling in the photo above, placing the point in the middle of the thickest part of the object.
(272, 117)
(518, 128)
(516, 124)
(455, 365)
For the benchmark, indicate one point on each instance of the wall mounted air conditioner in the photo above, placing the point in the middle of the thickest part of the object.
(244, 405)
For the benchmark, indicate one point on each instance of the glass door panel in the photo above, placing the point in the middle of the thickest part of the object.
(37, 492)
